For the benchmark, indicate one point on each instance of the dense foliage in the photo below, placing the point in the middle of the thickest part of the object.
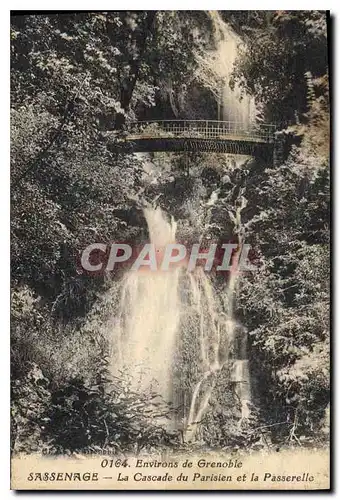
(76, 76)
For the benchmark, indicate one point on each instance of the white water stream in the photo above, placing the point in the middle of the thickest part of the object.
(171, 315)
(158, 309)
(215, 70)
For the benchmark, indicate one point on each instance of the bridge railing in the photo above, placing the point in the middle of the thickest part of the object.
(208, 129)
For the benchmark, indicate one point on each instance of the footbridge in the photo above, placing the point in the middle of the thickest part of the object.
(199, 135)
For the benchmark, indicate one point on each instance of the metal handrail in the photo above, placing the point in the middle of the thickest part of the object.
(185, 121)
(210, 129)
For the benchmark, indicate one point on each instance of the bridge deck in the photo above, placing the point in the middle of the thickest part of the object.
(229, 137)
(207, 129)
(200, 135)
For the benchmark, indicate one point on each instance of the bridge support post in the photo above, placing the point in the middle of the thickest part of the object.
(278, 151)
(187, 161)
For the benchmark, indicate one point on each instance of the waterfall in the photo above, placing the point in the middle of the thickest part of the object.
(149, 315)
(215, 70)
(168, 320)
(174, 332)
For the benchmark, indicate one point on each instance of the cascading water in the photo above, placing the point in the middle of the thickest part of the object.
(149, 316)
(215, 68)
(235, 105)
(170, 320)
(174, 332)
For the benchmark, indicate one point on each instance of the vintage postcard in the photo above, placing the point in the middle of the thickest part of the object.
(170, 247)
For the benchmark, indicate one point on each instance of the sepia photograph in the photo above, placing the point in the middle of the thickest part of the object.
(170, 250)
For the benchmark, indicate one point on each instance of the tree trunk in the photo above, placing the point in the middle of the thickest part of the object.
(129, 83)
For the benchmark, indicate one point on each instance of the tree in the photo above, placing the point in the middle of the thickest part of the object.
(282, 47)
